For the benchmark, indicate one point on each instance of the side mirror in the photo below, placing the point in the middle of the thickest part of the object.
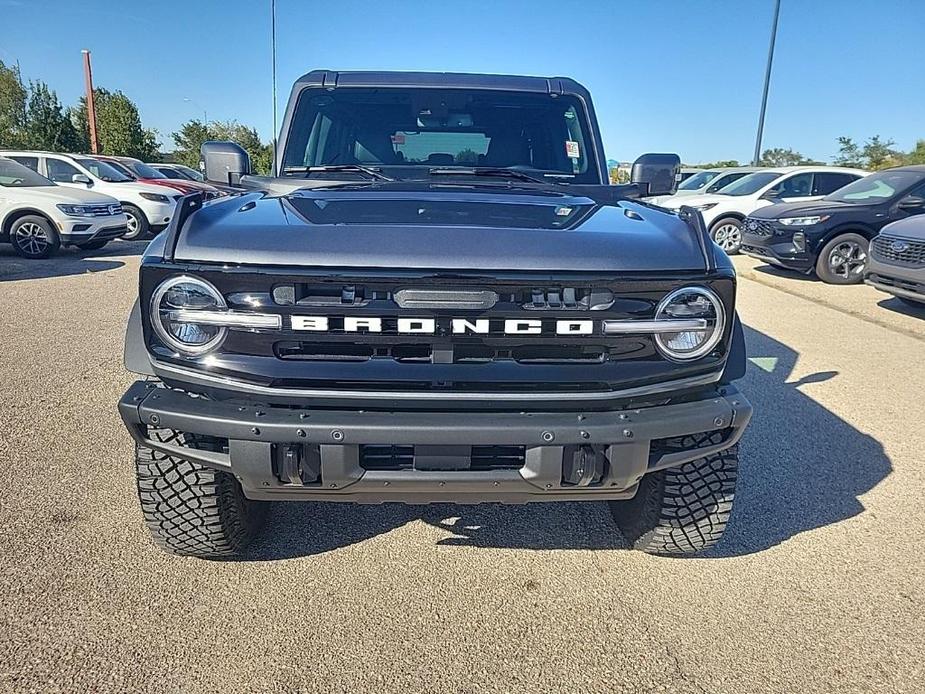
(223, 162)
(656, 174)
(912, 202)
(772, 194)
(81, 178)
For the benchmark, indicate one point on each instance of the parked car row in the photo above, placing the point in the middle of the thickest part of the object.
(49, 199)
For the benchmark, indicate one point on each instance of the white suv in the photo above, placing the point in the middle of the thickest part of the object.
(725, 211)
(148, 207)
(37, 216)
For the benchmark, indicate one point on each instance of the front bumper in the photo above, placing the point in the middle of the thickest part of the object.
(74, 230)
(255, 438)
(907, 281)
(779, 251)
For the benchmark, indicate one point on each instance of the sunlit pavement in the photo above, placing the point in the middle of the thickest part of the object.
(816, 588)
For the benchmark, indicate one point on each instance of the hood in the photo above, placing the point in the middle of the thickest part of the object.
(805, 209)
(139, 186)
(66, 194)
(446, 227)
(675, 201)
(184, 187)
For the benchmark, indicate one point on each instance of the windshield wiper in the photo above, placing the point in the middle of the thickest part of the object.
(485, 171)
(335, 168)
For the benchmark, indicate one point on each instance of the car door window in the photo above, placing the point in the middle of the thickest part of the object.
(31, 162)
(798, 186)
(724, 181)
(825, 183)
(60, 171)
(170, 173)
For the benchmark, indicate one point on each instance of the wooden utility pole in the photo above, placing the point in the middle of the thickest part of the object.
(91, 105)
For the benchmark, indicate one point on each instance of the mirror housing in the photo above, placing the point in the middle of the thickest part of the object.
(223, 162)
(912, 202)
(81, 178)
(656, 174)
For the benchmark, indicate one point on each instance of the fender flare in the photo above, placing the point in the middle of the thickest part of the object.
(135, 354)
(736, 361)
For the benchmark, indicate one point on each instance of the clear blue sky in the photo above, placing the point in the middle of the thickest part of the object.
(665, 76)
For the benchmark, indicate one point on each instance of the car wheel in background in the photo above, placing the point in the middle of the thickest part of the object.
(92, 245)
(136, 225)
(727, 233)
(843, 259)
(34, 237)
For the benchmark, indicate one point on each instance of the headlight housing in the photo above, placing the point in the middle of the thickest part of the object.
(155, 197)
(803, 221)
(690, 303)
(171, 305)
(75, 210)
(705, 206)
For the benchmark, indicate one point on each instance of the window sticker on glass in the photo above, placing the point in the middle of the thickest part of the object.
(398, 139)
(571, 149)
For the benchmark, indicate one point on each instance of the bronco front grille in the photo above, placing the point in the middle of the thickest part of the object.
(897, 250)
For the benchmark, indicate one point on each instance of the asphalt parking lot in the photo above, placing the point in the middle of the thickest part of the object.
(817, 586)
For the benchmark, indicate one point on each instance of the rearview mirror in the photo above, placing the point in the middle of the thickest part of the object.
(912, 202)
(223, 162)
(656, 174)
(81, 178)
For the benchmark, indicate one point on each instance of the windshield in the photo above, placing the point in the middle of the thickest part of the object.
(104, 171)
(15, 175)
(747, 185)
(698, 180)
(143, 170)
(191, 174)
(876, 187)
(403, 128)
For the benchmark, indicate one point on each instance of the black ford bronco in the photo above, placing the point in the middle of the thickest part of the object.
(438, 298)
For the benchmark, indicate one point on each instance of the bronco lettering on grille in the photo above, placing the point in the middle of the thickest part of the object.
(430, 326)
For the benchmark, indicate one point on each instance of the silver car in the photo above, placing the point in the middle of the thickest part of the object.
(897, 260)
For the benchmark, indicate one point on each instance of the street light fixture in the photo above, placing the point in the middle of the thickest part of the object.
(205, 116)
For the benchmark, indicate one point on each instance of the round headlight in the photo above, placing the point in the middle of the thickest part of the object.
(691, 303)
(173, 306)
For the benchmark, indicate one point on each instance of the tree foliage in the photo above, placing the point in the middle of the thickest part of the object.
(12, 107)
(48, 125)
(778, 156)
(194, 132)
(873, 155)
(118, 126)
(722, 164)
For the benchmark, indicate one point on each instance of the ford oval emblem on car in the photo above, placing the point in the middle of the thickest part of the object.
(899, 246)
(752, 225)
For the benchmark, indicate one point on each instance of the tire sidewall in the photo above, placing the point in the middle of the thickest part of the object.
(822, 262)
(723, 222)
(141, 230)
(53, 239)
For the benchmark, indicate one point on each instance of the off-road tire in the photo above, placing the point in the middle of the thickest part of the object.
(34, 237)
(192, 510)
(94, 245)
(680, 510)
(856, 267)
(138, 230)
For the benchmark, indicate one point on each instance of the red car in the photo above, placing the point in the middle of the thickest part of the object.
(140, 171)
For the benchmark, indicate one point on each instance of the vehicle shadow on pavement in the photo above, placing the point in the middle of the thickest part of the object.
(896, 306)
(67, 261)
(784, 273)
(802, 468)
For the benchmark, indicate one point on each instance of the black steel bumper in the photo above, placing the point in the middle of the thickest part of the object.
(631, 443)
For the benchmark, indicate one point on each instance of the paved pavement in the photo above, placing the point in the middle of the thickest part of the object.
(816, 588)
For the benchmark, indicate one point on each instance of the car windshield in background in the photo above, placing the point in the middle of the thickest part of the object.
(144, 171)
(398, 128)
(747, 185)
(876, 187)
(189, 173)
(698, 181)
(104, 171)
(15, 175)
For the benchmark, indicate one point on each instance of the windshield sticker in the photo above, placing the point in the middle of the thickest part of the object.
(571, 149)
(398, 139)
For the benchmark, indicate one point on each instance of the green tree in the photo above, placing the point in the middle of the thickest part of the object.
(778, 156)
(917, 155)
(722, 164)
(849, 154)
(879, 154)
(47, 125)
(12, 107)
(193, 133)
(189, 139)
(118, 126)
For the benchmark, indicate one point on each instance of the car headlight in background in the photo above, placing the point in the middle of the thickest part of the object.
(705, 206)
(191, 316)
(690, 304)
(803, 221)
(155, 197)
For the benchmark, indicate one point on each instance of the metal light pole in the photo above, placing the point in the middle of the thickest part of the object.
(273, 47)
(91, 102)
(205, 116)
(767, 84)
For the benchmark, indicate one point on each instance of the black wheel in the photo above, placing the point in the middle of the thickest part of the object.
(912, 303)
(193, 510)
(680, 510)
(727, 232)
(136, 224)
(92, 245)
(34, 237)
(843, 260)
